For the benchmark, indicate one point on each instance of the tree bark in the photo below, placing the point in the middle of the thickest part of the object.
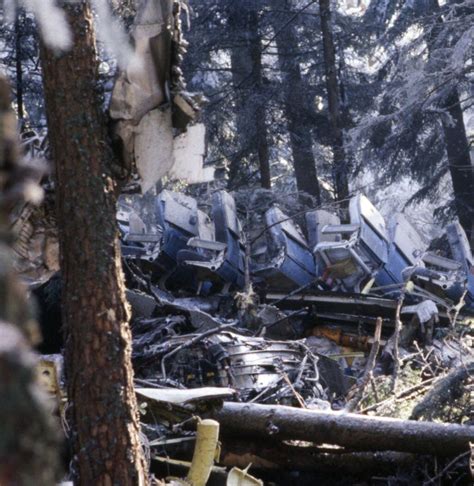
(340, 166)
(460, 166)
(282, 456)
(103, 409)
(457, 144)
(262, 455)
(19, 68)
(443, 392)
(297, 107)
(354, 432)
(246, 62)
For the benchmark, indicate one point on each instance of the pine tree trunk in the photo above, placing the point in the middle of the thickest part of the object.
(457, 143)
(246, 62)
(19, 68)
(340, 167)
(460, 166)
(296, 107)
(103, 409)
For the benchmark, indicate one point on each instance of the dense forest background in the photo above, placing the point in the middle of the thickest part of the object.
(325, 98)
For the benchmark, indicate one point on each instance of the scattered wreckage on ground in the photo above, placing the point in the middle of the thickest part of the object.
(280, 335)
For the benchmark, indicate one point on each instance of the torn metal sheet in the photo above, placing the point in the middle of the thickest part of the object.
(150, 106)
(425, 310)
(182, 397)
(441, 278)
(239, 477)
(189, 150)
(343, 307)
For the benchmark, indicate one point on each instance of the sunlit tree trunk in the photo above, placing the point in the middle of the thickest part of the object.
(103, 408)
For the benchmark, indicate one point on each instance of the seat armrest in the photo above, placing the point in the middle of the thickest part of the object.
(334, 229)
(196, 242)
(438, 261)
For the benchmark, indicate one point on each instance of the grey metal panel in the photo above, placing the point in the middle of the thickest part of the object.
(228, 212)
(275, 216)
(405, 237)
(180, 211)
(315, 221)
(459, 244)
(444, 263)
(207, 230)
(340, 229)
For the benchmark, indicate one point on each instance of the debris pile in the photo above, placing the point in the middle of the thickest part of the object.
(280, 335)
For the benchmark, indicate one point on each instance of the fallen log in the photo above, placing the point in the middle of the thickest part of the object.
(264, 456)
(443, 392)
(293, 456)
(352, 431)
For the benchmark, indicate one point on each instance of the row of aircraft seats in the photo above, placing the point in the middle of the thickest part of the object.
(188, 249)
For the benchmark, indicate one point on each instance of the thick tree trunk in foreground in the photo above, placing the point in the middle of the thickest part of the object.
(104, 413)
(297, 106)
(340, 166)
(354, 432)
(246, 61)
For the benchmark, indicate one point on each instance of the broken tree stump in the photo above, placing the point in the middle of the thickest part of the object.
(351, 431)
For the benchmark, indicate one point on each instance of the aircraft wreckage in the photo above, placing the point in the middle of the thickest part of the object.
(187, 269)
(278, 318)
(363, 262)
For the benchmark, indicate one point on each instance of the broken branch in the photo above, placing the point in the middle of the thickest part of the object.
(369, 368)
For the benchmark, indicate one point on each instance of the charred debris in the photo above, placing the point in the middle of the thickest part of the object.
(346, 347)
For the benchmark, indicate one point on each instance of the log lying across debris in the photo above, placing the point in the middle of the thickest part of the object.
(304, 457)
(351, 431)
